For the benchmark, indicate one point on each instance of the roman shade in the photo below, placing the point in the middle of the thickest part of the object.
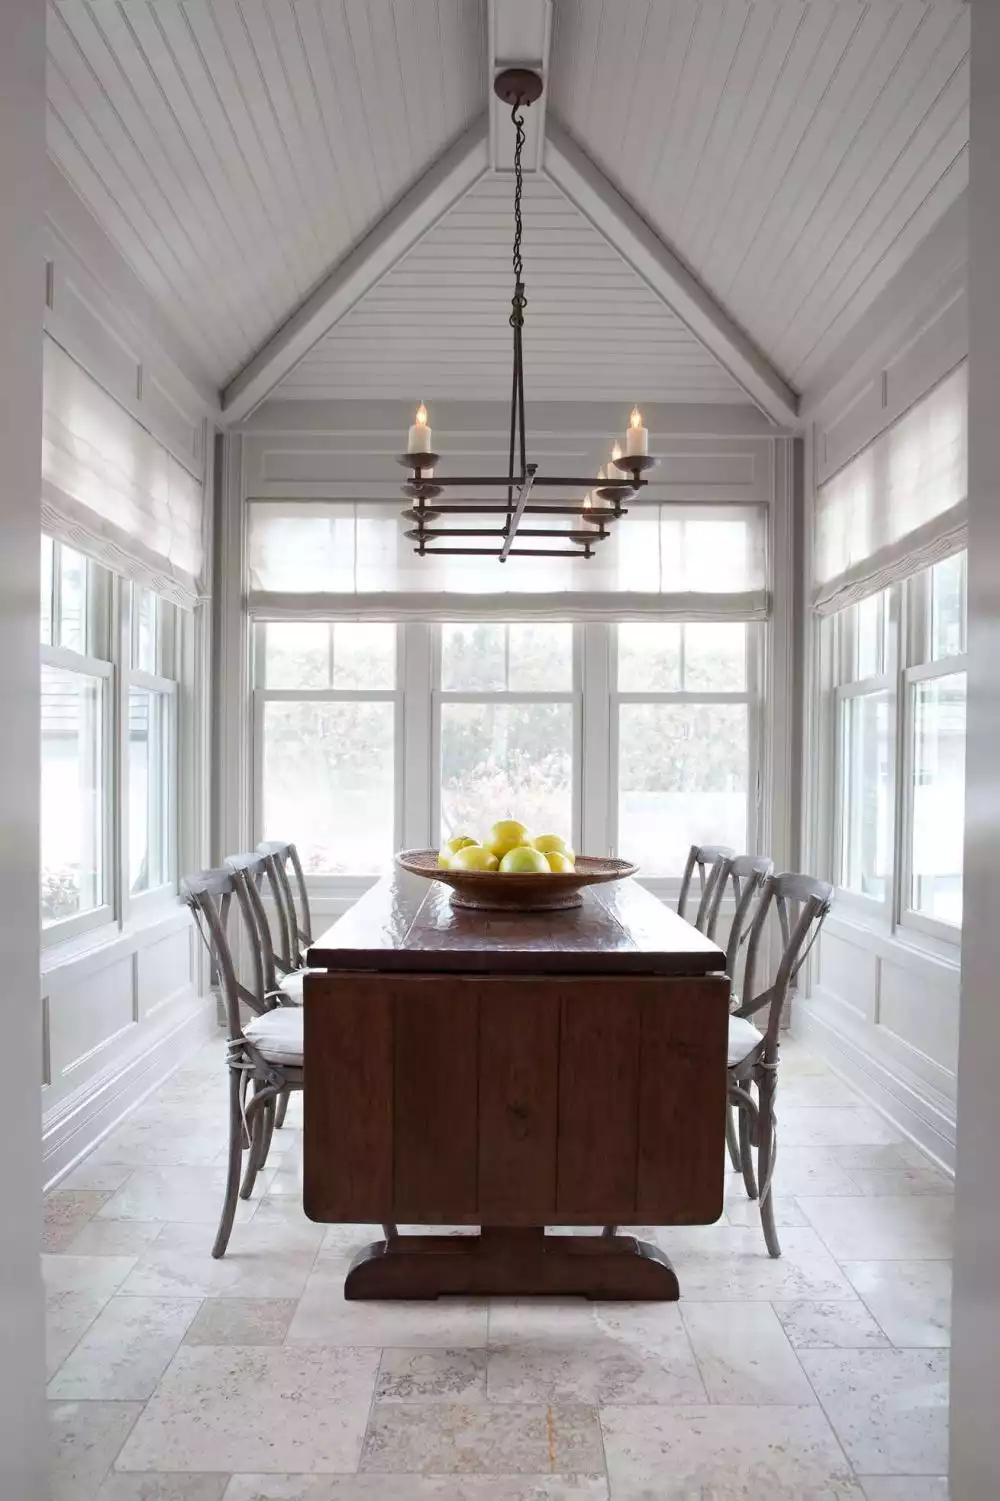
(900, 505)
(352, 560)
(110, 490)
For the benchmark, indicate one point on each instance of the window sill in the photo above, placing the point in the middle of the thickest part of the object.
(99, 945)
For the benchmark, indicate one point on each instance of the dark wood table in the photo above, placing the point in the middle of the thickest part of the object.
(512, 1071)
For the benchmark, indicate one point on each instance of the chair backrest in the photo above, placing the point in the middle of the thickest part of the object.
(293, 909)
(801, 904)
(249, 873)
(710, 861)
(209, 896)
(745, 875)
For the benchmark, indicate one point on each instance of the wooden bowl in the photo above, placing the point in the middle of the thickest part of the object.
(492, 890)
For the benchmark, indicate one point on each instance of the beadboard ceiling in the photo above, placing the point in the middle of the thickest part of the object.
(437, 326)
(793, 155)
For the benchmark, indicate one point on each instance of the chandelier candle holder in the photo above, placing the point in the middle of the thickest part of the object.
(510, 537)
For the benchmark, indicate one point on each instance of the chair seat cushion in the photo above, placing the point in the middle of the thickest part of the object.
(278, 1035)
(291, 985)
(743, 1038)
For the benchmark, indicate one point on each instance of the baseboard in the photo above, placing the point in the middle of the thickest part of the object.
(926, 1117)
(75, 1127)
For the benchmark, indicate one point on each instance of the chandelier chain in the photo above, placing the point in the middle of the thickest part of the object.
(519, 299)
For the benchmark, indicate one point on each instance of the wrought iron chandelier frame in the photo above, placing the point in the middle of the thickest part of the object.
(518, 87)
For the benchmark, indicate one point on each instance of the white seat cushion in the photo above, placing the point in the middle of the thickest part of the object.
(278, 1035)
(743, 1038)
(291, 985)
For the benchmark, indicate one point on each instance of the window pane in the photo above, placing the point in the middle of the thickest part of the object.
(329, 783)
(865, 789)
(938, 796)
(364, 656)
(540, 658)
(871, 617)
(715, 658)
(649, 657)
(144, 629)
(298, 654)
(148, 789)
(72, 792)
(948, 608)
(47, 590)
(474, 658)
(73, 599)
(683, 773)
(506, 761)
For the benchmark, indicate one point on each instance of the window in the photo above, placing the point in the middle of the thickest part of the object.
(326, 738)
(151, 711)
(76, 687)
(682, 710)
(507, 727)
(900, 735)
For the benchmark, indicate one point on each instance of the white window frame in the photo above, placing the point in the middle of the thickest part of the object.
(164, 683)
(327, 884)
(572, 696)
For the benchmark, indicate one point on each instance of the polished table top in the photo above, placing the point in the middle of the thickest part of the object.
(406, 923)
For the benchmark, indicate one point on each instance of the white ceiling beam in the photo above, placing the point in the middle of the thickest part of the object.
(586, 186)
(520, 36)
(427, 201)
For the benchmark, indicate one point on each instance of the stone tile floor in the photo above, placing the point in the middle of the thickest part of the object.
(819, 1377)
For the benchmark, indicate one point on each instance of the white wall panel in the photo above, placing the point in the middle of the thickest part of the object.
(163, 969)
(86, 1013)
(921, 1010)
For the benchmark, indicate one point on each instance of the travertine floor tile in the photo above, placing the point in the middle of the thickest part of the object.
(900, 1182)
(325, 1317)
(857, 1125)
(744, 1355)
(431, 1376)
(115, 1238)
(163, 1488)
(66, 1213)
(68, 1316)
(259, 1263)
(910, 1299)
(482, 1439)
(263, 1409)
(889, 1408)
(884, 1229)
(726, 1453)
(830, 1326)
(93, 1174)
(416, 1488)
(738, 1268)
(89, 1274)
(904, 1488)
(85, 1438)
(185, 1195)
(241, 1321)
(125, 1351)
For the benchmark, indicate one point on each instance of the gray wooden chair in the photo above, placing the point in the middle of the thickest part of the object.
(711, 863)
(744, 877)
(292, 904)
(801, 905)
(264, 1057)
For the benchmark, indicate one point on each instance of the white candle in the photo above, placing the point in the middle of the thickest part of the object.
(636, 437)
(420, 433)
(588, 506)
(616, 454)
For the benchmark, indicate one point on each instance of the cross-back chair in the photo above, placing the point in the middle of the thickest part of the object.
(292, 901)
(800, 904)
(250, 871)
(264, 1056)
(710, 861)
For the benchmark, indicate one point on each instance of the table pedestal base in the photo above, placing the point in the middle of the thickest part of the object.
(512, 1263)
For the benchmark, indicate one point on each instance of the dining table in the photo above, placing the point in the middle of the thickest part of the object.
(540, 1078)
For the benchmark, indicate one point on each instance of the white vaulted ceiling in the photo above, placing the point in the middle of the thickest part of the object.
(438, 325)
(791, 153)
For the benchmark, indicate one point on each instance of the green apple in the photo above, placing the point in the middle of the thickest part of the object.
(552, 844)
(524, 861)
(452, 846)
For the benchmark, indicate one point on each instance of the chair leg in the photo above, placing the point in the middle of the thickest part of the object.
(765, 1162)
(732, 1143)
(233, 1169)
(279, 1119)
(269, 1115)
(258, 1126)
(746, 1153)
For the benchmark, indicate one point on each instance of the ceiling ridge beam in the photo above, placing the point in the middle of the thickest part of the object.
(423, 205)
(601, 203)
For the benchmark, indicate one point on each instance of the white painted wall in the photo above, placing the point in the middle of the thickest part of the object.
(22, 193)
(880, 1009)
(975, 1441)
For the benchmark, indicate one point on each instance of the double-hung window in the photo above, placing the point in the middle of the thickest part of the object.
(508, 727)
(77, 762)
(151, 736)
(684, 735)
(327, 740)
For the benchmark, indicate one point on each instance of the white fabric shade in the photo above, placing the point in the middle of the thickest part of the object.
(112, 491)
(900, 505)
(353, 560)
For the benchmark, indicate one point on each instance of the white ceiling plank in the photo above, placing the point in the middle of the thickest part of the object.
(587, 187)
(520, 36)
(444, 183)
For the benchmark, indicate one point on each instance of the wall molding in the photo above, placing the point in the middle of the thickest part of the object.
(74, 1127)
